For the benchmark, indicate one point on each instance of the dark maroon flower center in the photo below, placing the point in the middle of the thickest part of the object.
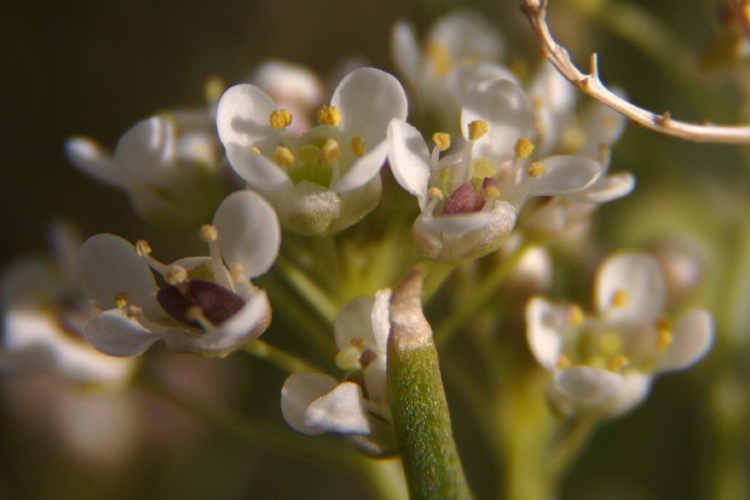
(467, 198)
(216, 303)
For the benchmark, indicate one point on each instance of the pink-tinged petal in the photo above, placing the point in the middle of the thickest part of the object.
(630, 288)
(381, 322)
(245, 325)
(634, 392)
(507, 110)
(368, 99)
(108, 266)
(363, 170)
(257, 170)
(146, 147)
(692, 338)
(608, 188)
(409, 159)
(405, 52)
(565, 175)
(299, 391)
(92, 160)
(288, 84)
(544, 332)
(341, 410)
(242, 118)
(354, 320)
(587, 385)
(114, 333)
(249, 232)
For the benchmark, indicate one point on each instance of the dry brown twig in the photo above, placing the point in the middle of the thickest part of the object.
(591, 85)
(741, 9)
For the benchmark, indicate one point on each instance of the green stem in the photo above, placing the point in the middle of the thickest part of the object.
(278, 357)
(420, 412)
(283, 441)
(315, 296)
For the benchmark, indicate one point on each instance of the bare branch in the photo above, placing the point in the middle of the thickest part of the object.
(591, 85)
(741, 9)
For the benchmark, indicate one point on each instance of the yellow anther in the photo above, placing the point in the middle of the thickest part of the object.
(142, 248)
(573, 139)
(524, 147)
(309, 153)
(255, 150)
(482, 168)
(663, 335)
(280, 118)
(491, 193)
(434, 193)
(477, 129)
(121, 299)
(620, 298)
(563, 362)
(577, 315)
(618, 361)
(358, 146)
(176, 275)
(330, 152)
(213, 88)
(537, 103)
(283, 157)
(208, 233)
(440, 57)
(610, 342)
(442, 140)
(329, 115)
(348, 359)
(536, 169)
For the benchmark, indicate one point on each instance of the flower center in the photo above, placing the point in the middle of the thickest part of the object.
(190, 301)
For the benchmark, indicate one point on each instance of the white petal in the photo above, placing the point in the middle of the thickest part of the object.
(636, 389)
(354, 320)
(639, 278)
(405, 51)
(242, 118)
(113, 333)
(556, 98)
(507, 110)
(409, 158)
(144, 149)
(29, 280)
(544, 332)
(107, 265)
(692, 338)
(249, 232)
(301, 389)
(341, 410)
(459, 223)
(92, 160)
(381, 322)
(376, 381)
(37, 342)
(368, 99)
(468, 36)
(465, 78)
(565, 175)
(608, 188)
(257, 170)
(288, 83)
(587, 385)
(363, 170)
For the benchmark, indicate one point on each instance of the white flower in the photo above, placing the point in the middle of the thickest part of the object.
(166, 164)
(605, 362)
(437, 71)
(315, 403)
(209, 306)
(327, 179)
(469, 199)
(43, 320)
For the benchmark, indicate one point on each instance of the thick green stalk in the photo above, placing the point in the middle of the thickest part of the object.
(420, 412)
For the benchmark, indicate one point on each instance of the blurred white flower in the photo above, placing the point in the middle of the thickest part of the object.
(208, 305)
(328, 178)
(315, 403)
(470, 198)
(44, 314)
(167, 165)
(605, 362)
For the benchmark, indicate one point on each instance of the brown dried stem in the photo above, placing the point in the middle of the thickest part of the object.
(591, 85)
